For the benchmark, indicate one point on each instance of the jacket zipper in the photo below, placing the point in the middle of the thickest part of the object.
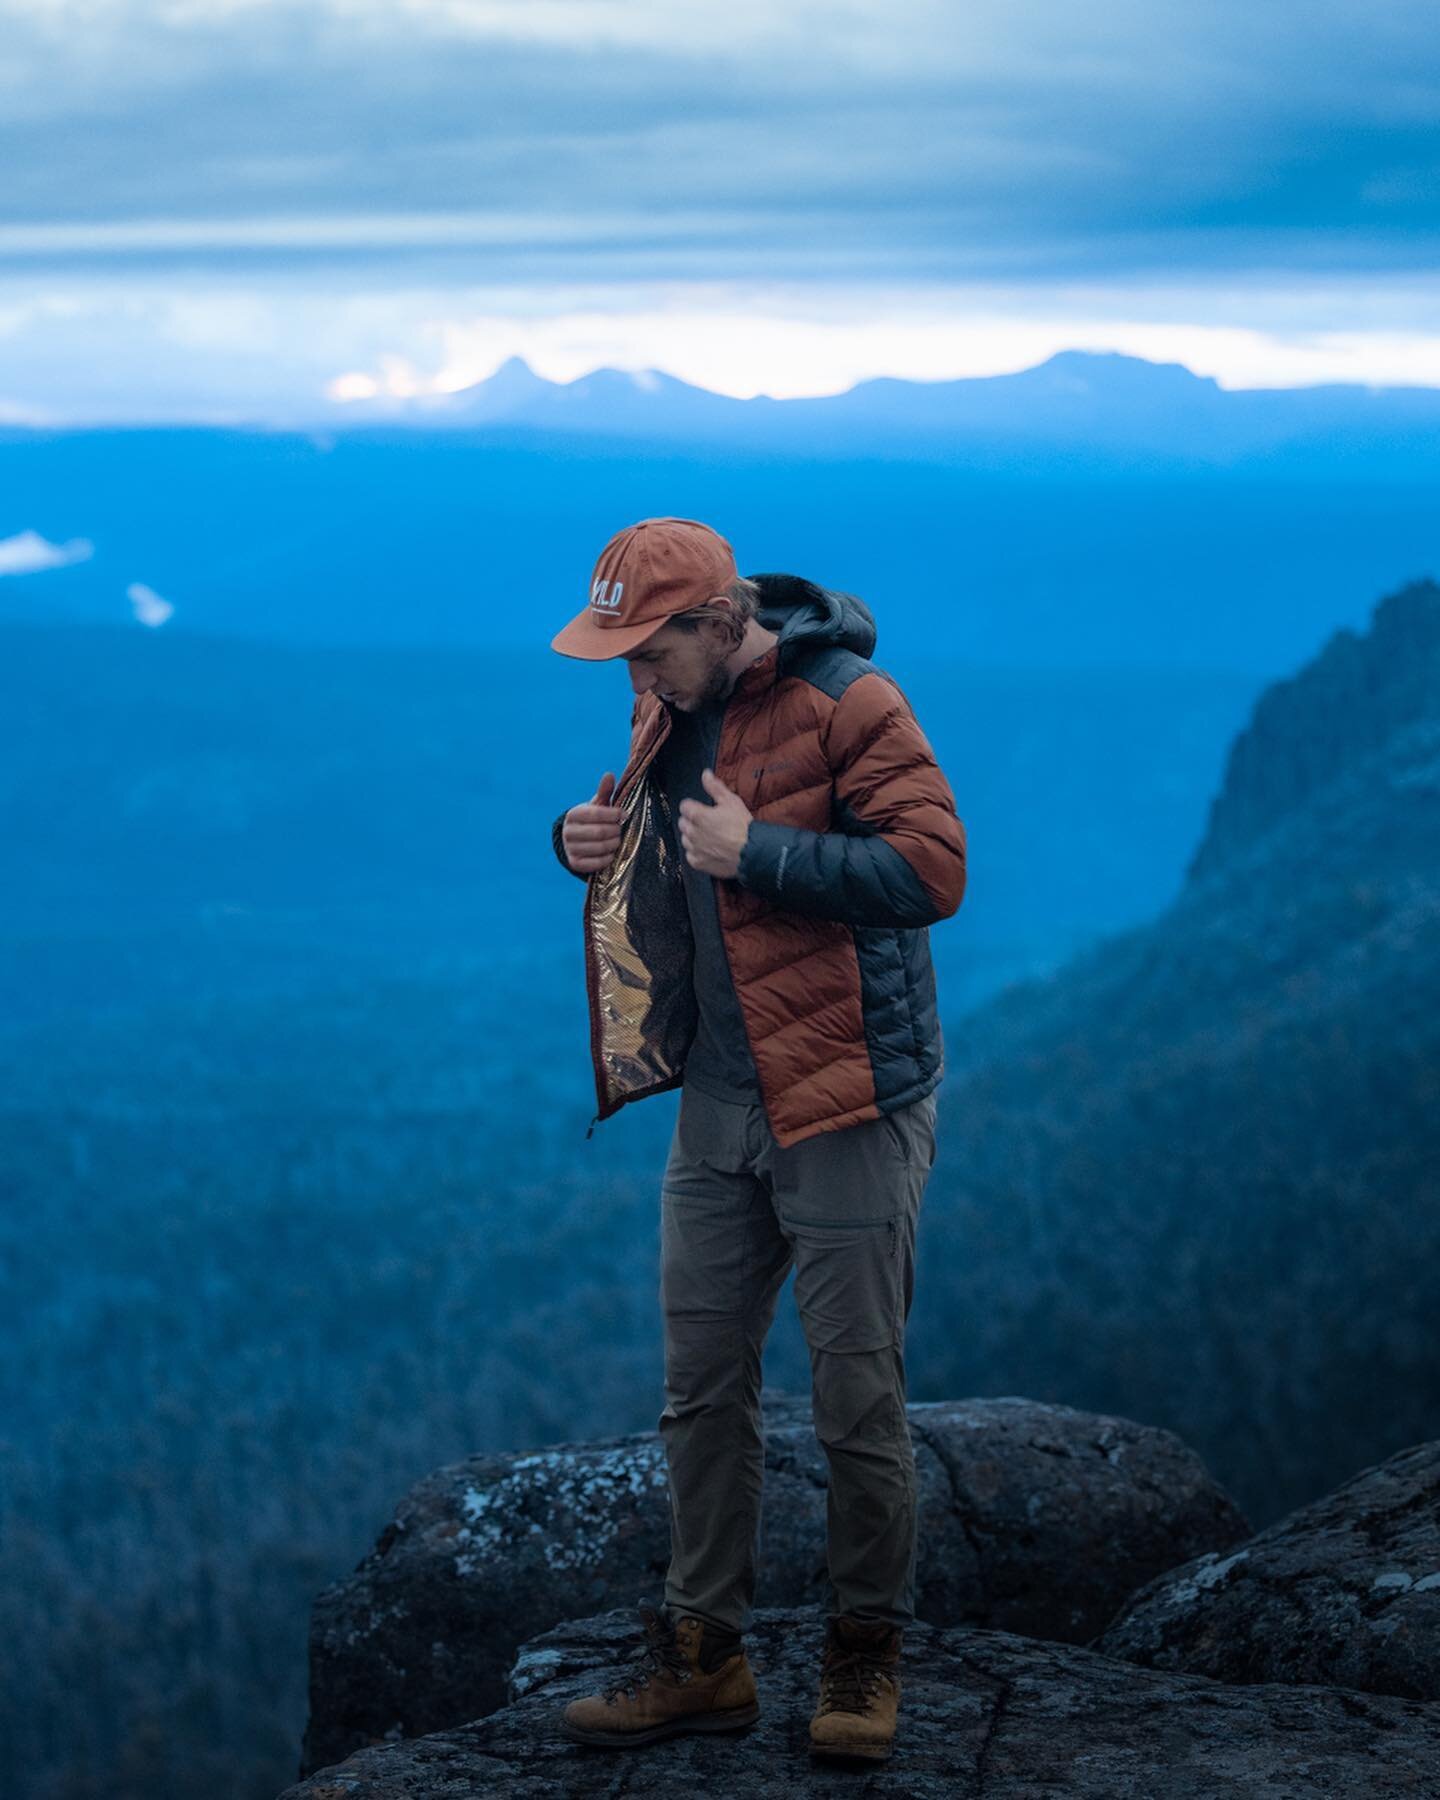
(724, 943)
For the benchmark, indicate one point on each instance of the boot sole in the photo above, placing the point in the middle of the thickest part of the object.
(854, 1753)
(735, 1720)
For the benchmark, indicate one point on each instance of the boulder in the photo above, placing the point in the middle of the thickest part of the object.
(983, 1714)
(1034, 1519)
(1344, 1591)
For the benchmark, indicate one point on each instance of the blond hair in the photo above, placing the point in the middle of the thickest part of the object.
(744, 596)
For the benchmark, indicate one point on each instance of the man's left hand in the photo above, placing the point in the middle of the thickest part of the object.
(713, 836)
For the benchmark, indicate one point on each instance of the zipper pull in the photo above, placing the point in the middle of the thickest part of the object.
(593, 1123)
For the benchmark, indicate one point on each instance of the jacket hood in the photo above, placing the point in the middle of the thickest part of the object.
(805, 616)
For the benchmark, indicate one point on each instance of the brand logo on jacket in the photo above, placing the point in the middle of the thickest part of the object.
(605, 595)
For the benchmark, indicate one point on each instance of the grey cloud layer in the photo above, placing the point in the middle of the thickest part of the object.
(916, 140)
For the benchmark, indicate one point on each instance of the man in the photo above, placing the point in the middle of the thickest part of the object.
(759, 884)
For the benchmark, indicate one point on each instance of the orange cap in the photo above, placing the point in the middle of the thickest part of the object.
(645, 575)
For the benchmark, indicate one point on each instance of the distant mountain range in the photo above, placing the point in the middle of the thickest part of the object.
(1093, 512)
(1104, 408)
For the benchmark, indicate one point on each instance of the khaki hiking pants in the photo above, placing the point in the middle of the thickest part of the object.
(737, 1213)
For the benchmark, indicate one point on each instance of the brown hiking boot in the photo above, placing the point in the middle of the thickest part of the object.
(859, 1690)
(666, 1690)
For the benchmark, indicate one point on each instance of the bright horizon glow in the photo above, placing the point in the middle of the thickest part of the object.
(288, 349)
(743, 355)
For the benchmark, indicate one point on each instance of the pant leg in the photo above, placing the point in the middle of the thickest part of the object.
(849, 1201)
(723, 1261)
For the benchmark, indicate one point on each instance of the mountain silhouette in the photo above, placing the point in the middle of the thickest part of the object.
(1101, 407)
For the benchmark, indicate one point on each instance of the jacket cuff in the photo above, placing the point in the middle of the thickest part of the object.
(764, 855)
(558, 841)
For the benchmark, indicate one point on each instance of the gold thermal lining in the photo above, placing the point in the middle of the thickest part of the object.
(640, 955)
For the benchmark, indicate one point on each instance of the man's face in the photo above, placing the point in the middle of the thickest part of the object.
(685, 668)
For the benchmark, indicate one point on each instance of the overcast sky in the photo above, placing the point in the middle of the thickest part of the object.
(235, 207)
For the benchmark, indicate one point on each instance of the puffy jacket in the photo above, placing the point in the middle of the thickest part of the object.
(854, 849)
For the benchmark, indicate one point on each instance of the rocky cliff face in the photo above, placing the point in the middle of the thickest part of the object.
(1364, 713)
(1305, 1660)
(985, 1716)
(1344, 1591)
(1198, 1176)
(1033, 1519)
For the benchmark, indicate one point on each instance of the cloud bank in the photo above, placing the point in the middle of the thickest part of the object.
(27, 553)
(812, 139)
(221, 208)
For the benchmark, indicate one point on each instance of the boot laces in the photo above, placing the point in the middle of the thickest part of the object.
(659, 1653)
(851, 1680)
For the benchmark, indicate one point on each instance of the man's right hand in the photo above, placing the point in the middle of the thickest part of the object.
(591, 832)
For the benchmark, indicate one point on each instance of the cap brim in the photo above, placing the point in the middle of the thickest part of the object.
(586, 638)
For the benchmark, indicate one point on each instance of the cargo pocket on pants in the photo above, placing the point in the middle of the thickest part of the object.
(847, 1281)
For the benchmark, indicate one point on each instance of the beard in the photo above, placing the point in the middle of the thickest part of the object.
(715, 684)
(718, 681)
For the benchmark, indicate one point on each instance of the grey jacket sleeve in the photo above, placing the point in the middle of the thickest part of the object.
(860, 880)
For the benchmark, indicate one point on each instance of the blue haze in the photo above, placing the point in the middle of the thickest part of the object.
(295, 1199)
